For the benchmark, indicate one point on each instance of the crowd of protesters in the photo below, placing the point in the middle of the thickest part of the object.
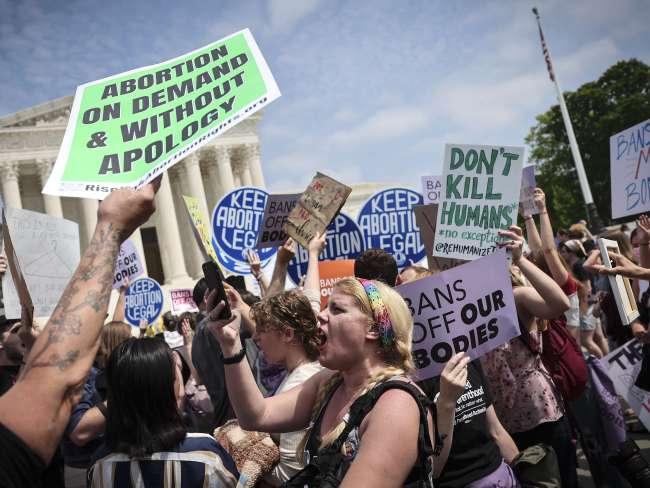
(281, 393)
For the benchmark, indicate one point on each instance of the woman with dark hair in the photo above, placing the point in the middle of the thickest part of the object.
(144, 425)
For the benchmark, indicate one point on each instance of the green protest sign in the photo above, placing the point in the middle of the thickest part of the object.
(127, 129)
(481, 195)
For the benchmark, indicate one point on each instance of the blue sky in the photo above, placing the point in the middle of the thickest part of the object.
(371, 90)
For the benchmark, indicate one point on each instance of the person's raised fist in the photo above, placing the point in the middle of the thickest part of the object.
(127, 209)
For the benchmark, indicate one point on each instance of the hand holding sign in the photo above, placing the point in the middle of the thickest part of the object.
(515, 243)
(453, 379)
(128, 209)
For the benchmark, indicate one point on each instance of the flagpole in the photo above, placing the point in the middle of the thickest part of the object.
(594, 219)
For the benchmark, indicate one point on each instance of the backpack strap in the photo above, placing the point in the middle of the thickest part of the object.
(362, 406)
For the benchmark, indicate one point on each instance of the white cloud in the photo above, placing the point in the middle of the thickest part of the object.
(286, 13)
(384, 124)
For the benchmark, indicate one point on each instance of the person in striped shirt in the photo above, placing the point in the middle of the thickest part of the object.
(146, 442)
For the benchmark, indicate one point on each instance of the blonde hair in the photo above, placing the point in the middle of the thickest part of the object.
(113, 334)
(397, 357)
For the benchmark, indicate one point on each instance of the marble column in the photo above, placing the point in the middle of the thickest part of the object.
(191, 251)
(9, 174)
(195, 182)
(236, 173)
(245, 174)
(226, 177)
(89, 218)
(52, 203)
(252, 156)
(212, 187)
(136, 237)
(171, 251)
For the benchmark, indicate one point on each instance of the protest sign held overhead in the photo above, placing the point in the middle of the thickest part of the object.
(432, 189)
(388, 222)
(182, 301)
(623, 366)
(453, 312)
(316, 208)
(331, 272)
(128, 265)
(276, 214)
(629, 166)
(127, 129)
(143, 300)
(48, 251)
(481, 196)
(343, 240)
(200, 228)
(18, 279)
(527, 192)
(236, 222)
(425, 216)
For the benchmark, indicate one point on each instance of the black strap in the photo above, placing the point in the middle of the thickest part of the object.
(362, 406)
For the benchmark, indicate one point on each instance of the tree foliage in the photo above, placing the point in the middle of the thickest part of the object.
(619, 99)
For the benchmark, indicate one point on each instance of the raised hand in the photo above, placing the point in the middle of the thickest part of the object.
(254, 261)
(643, 224)
(317, 244)
(539, 198)
(286, 251)
(453, 378)
(513, 243)
(226, 331)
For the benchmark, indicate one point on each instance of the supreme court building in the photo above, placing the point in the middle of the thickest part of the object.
(29, 145)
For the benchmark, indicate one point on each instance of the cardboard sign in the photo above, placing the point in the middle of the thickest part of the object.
(182, 301)
(200, 228)
(425, 216)
(236, 222)
(629, 166)
(24, 297)
(621, 287)
(129, 128)
(388, 222)
(330, 272)
(432, 189)
(128, 264)
(481, 196)
(143, 300)
(623, 366)
(316, 208)
(456, 311)
(48, 251)
(343, 240)
(276, 213)
(527, 192)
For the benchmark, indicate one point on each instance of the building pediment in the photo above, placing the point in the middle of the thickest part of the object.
(53, 112)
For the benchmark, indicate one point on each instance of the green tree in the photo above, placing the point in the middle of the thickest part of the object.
(619, 99)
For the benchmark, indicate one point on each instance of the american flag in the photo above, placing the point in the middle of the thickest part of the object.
(547, 55)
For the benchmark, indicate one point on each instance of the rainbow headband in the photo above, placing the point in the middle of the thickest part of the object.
(379, 312)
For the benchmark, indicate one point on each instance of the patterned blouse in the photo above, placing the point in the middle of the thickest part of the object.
(523, 392)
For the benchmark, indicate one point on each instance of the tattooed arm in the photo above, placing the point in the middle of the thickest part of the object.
(38, 406)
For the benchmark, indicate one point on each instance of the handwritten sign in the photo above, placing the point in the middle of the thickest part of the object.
(276, 214)
(182, 301)
(481, 196)
(17, 277)
(432, 189)
(236, 222)
(48, 250)
(454, 311)
(143, 300)
(200, 228)
(527, 192)
(128, 265)
(388, 222)
(629, 166)
(623, 366)
(129, 128)
(316, 208)
(343, 240)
